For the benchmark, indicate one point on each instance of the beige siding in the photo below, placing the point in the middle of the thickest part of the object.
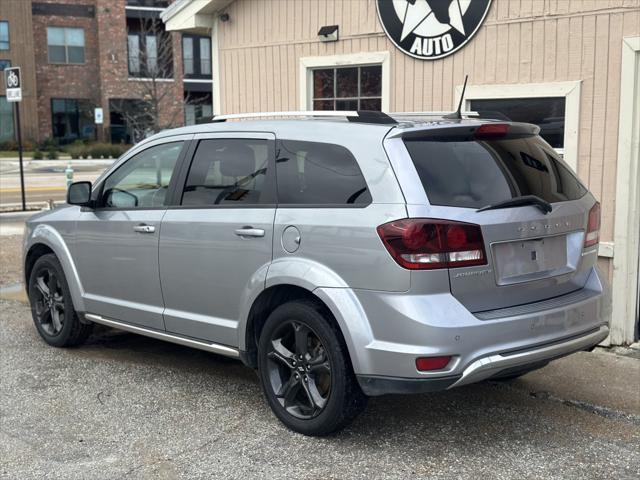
(521, 41)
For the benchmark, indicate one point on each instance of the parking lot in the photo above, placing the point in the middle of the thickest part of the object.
(125, 406)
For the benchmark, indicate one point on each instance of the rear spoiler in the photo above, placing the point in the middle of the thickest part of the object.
(467, 131)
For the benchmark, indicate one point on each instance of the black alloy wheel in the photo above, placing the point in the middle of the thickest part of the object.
(305, 369)
(47, 301)
(51, 306)
(299, 370)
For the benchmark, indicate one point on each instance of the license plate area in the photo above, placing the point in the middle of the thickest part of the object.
(533, 259)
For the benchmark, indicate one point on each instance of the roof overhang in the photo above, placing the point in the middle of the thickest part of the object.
(194, 16)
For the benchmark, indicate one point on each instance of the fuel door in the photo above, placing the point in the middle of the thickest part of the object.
(291, 239)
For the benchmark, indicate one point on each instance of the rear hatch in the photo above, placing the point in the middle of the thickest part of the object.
(533, 251)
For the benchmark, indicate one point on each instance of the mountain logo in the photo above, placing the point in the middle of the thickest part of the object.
(431, 29)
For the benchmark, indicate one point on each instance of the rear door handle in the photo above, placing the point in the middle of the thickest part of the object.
(249, 232)
(144, 228)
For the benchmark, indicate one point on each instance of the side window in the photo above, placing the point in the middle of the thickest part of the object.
(143, 180)
(319, 174)
(227, 172)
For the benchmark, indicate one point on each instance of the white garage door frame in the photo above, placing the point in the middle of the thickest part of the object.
(627, 221)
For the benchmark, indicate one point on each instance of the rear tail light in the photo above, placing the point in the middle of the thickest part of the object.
(425, 243)
(593, 227)
(425, 364)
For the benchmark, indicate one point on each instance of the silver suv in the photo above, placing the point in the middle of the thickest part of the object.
(341, 257)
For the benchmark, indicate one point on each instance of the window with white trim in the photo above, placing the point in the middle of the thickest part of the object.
(548, 113)
(554, 106)
(347, 81)
(348, 88)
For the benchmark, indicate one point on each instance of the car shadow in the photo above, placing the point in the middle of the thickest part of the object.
(470, 414)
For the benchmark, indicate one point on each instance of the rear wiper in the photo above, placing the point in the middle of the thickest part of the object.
(519, 201)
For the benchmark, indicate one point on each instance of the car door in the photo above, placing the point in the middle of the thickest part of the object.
(116, 246)
(216, 246)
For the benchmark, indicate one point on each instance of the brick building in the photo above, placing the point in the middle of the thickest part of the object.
(77, 55)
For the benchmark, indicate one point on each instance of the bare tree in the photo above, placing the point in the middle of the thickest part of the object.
(150, 54)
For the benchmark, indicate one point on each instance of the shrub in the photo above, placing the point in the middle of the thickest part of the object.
(37, 155)
(9, 145)
(52, 154)
(118, 149)
(77, 150)
(28, 145)
(48, 144)
(99, 150)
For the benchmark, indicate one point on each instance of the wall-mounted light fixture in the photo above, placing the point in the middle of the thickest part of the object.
(328, 33)
(224, 17)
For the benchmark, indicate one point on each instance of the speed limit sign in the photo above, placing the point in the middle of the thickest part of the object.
(12, 80)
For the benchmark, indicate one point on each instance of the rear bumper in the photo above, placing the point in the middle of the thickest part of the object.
(484, 368)
(405, 326)
(487, 367)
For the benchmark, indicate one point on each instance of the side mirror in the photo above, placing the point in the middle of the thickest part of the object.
(79, 193)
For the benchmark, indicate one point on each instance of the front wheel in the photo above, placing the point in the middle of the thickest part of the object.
(51, 307)
(305, 370)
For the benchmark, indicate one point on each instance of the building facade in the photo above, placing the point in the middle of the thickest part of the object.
(79, 55)
(570, 66)
(17, 49)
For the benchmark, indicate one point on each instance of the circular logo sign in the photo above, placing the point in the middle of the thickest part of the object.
(431, 29)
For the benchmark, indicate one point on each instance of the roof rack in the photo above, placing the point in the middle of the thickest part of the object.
(360, 116)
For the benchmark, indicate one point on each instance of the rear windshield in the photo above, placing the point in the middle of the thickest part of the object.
(478, 173)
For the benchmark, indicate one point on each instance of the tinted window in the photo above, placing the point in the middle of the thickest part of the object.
(143, 181)
(320, 174)
(478, 173)
(228, 172)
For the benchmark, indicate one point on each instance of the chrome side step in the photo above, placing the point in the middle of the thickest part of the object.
(168, 337)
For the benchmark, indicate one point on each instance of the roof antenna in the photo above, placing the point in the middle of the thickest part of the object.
(458, 113)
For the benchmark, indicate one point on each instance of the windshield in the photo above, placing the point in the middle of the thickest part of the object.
(477, 173)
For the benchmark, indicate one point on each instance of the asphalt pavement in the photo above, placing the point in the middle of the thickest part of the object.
(125, 406)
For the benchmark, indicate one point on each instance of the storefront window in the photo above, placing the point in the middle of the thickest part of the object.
(348, 88)
(71, 119)
(547, 113)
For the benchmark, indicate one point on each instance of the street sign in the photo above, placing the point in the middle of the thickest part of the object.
(98, 116)
(12, 80)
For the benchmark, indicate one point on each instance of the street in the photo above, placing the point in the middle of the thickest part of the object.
(126, 406)
(44, 179)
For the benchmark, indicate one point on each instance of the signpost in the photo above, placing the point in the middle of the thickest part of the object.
(13, 82)
(98, 119)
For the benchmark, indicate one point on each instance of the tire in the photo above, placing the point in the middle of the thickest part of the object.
(319, 394)
(53, 315)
